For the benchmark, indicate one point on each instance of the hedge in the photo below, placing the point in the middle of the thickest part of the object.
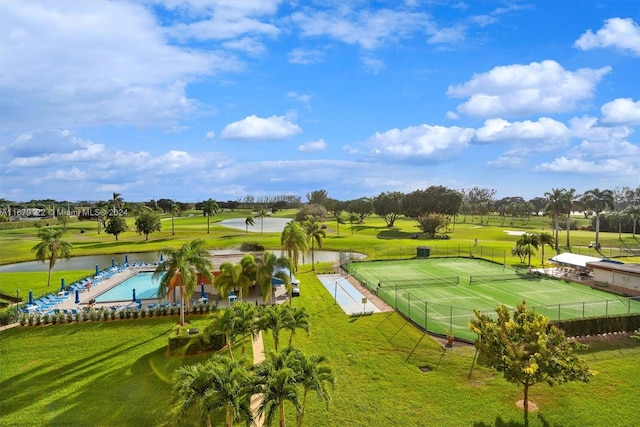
(599, 325)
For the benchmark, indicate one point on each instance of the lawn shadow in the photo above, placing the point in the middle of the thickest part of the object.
(499, 422)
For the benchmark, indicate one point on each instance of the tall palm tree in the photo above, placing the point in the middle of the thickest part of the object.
(270, 266)
(545, 238)
(599, 201)
(315, 234)
(51, 247)
(223, 322)
(175, 210)
(261, 214)
(232, 276)
(271, 318)
(181, 269)
(353, 219)
(529, 240)
(634, 212)
(294, 240)
(568, 203)
(209, 208)
(217, 384)
(618, 218)
(295, 318)
(249, 222)
(245, 321)
(314, 375)
(276, 378)
(101, 214)
(555, 208)
(117, 201)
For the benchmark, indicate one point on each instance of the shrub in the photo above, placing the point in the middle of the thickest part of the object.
(61, 317)
(135, 314)
(252, 246)
(23, 320)
(8, 315)
(113, 314)
(69, 317)
(151, 311)
(105, 315)
(54, 318)
(38, 320)
(143, 313)
(31, 320)
(121, 314)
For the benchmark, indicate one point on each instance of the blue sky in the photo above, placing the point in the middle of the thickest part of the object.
(195, 99)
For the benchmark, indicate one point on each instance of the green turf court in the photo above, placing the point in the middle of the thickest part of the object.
(440, 294)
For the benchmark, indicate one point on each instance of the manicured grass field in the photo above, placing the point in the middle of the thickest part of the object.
(434, 300)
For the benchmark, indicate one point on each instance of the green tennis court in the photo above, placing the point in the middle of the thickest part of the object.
(440, 294)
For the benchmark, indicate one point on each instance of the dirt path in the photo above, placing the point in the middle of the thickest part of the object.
(258, 356)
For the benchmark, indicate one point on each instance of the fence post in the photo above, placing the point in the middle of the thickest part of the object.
(396, 298)
(606, 313)
(451, 319)
(409, 305)
(559, 305)
(426, 316)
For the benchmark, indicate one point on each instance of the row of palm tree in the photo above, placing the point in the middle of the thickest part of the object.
(529, 241)
(225, 384)
(297, 237)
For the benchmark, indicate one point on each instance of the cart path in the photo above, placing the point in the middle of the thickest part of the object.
(258, 357)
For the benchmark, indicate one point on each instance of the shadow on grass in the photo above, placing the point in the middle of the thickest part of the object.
(510, 423)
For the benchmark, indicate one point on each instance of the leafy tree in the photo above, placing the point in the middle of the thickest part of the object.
(116, 225)
(315, 234)
(209, 208)
(175, 211)
(51, 247)
(598, 201)
(527, 349)
(219, 383)
(362, 206)
(181, 269)
(539, 204)
(233, 276)
(318, 197)
(293, 241)
(336, 208)
(147, 223)
(430, 224)
(249, 222)
(353, 219)
(311, 210)
(434, 200)
(480, 201)
(388, 206)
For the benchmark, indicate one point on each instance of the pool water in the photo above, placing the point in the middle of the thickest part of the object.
(145, 287)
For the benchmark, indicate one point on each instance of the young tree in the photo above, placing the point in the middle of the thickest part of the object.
(315, 234)
(529, 240)
(116, 225)
(51, 247)
(545, 238)
(175, 210)
(293, 241)
(147, 223)
(181, 268)
(313, 374)
(527, 349)
(295, 318)
(271, 266)
(209, 208)
(248, 222)
(271, 318)
(232, 276)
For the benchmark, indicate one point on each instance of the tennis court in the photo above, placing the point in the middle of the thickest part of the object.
(440, 294)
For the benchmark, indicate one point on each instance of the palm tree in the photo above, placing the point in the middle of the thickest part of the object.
(217, 384)
(249, 222)
(545, 238)
(313, 375)
(315, 234)
(529, 240)
(101, 211)
(51, 247)
(261, 214)
(598, 201)
(117, 201)
(223, 322)
(175, 210)
(555, 208)
(276, 378)
(271, 318)
(270, 266)
(634, 213)
(353, 219)
(245, 321)
(294, 240)
(209, 208)
(232, 276)
(295, 318)
(618, 218)
(181, 269)
(568, 201)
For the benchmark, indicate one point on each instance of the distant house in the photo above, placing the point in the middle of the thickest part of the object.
(624, 276)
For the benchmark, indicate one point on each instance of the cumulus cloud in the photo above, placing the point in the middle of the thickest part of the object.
(587, 128)
(515, 90)
(621, 111)
(53, 74)
(257, 128)
(210, 135)
(306, 56)
(501, 130)
(421, 142)
(618, 33)
(312, 146)
(508, 162)
(579, 165)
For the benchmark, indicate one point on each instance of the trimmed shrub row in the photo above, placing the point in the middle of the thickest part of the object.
(600, 325)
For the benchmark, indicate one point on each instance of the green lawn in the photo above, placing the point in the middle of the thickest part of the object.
(117, 373)
(441, 306)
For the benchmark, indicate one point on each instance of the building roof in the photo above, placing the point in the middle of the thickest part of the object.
(632, 268)
(575, 260)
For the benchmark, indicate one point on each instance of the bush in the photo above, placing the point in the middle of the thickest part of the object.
(23, 320)
(61, 317)
(143, 313)
(105, 315)
(69, 317)
(8, 315)
(113, 314)
(600, 325)
(135, 314)
(31, 320)
(38, 320)
(252, 246)
(151, 311)
(121, 314)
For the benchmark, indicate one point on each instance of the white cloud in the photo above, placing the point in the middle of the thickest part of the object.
(250, 45)
(300, 97)
(579, 165)
(210, 135)
(258, 128)
(538, 87)
(94, 63)
(421, 142)
(312, 146)
(545, 129)
(621, 111)
(306, 56)
(587, 128)
(372, 65)
(508, 162)
(614, 149)
(619, 33)
(74, 174)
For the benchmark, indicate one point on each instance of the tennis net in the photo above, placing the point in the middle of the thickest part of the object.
(417, 283)
(489, 278)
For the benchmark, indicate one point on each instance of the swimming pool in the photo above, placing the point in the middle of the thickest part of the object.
(145, 287)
